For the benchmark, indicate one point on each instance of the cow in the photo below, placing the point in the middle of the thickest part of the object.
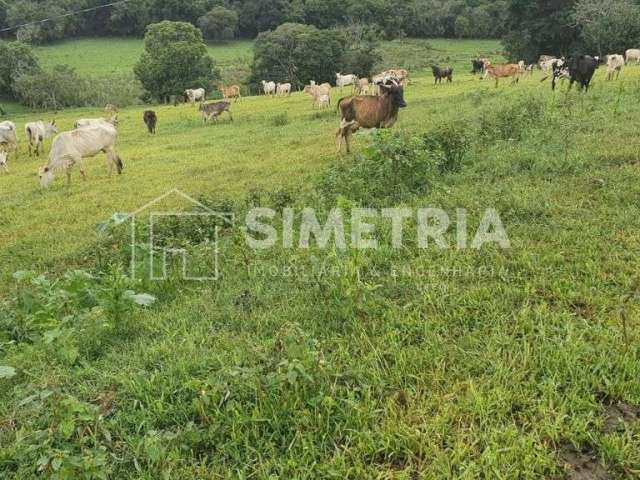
(441, 73)
(502, 71)
(523, 66)
(211, 111)
(477, 66)
(345, 80)
(633, 54)
(150, 120)
(232, 91)
(269, 88)
(545, 62)
(196, 95)
(71, 148)
(579, 69)
(369, 112)
(614, 66)
(363, 87)
(9, 135)
(37, 133)
(283, 89)
(321, 94)
(92, 122)
(3, 161)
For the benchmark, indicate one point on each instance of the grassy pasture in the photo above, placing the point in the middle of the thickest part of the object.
(490, 366)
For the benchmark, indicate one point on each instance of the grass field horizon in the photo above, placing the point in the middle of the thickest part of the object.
(409, 363)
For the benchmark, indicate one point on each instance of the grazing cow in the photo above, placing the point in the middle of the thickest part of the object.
(633, 54)
(614, 66)
(283, 89)
(150, 120)
(196, 95)
(502, 71)
(232, 91)
(269, 88)
(369, 112)
(321, 94)
(345, 80)
(37, 133)
(441, 73)
(211, 111)
(92, 122)
(9, 135)
(579, 69)
(71, 148)
(3, 161)
(477, 66)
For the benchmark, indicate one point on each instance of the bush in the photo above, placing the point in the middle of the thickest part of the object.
(512, 121)
(175, 59)
(62, 87)
(449, 144)
(297, 53)
(17, 59)
(219, 24)
(280, 120)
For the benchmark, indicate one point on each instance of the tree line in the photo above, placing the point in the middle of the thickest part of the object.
(226, 19)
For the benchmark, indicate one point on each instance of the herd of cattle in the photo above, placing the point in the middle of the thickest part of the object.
(373, 103)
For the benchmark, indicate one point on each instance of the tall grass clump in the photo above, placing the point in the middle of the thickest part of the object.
(513, 120)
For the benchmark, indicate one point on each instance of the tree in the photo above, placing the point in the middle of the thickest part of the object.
(175, 59)
(297, 53)
(538, 27)
(220, 23)
(608, 26)
(17, 59)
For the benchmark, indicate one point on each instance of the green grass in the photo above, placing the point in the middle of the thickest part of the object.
(485, 365)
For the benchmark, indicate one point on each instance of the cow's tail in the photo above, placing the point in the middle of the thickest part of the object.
(29, 134)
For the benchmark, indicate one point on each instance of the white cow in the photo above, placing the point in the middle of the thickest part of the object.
(633, 54)
(92, 122)
(547, 64)
(196, 95)
(283, 89)
(3, 161)
(9, 135)
(345, 80)
(615, 63)
(70, 148)
(321, 94)
(37, 133)
(269, 88)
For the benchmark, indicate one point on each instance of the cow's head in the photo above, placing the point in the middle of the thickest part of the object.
(46, 176)
(395, 92)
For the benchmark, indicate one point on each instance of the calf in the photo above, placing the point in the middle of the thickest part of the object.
(150, 120)
(369, 112)
(614, 66)
(232, 91)
(441, 73)
(37, 133)
(211, 111)
(477, 66)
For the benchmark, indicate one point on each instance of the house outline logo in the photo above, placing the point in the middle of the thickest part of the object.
(205, 212)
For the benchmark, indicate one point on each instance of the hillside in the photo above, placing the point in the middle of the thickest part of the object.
(406, 363)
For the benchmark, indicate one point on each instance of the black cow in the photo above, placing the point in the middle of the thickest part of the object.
(151, 120)
(478, 66)
(579, 69)
(441, 73)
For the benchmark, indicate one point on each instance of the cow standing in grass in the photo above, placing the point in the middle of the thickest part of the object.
(37, 133)
(150, 120)
(269, 88)
(71, 148)
(442, 73)
(369, 112)
(579, 69)
(497, 72)
(211, 111)
(9, 135)
(633, 54)
(614, 66)
(92, 122)
(196, 95)
(230, 92)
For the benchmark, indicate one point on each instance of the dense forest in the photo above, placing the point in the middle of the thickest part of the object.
(220, 19)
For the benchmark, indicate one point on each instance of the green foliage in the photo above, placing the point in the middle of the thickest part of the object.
(512, 121)
(220, 23)
(16, 59)
(62, 87)
(608, 26)
(450, 144)
(280, 120)
(297, 53)
(175, 59)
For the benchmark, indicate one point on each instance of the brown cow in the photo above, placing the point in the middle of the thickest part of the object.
(502, 71)
(369, 112)
(150, 120)
(232, 91)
